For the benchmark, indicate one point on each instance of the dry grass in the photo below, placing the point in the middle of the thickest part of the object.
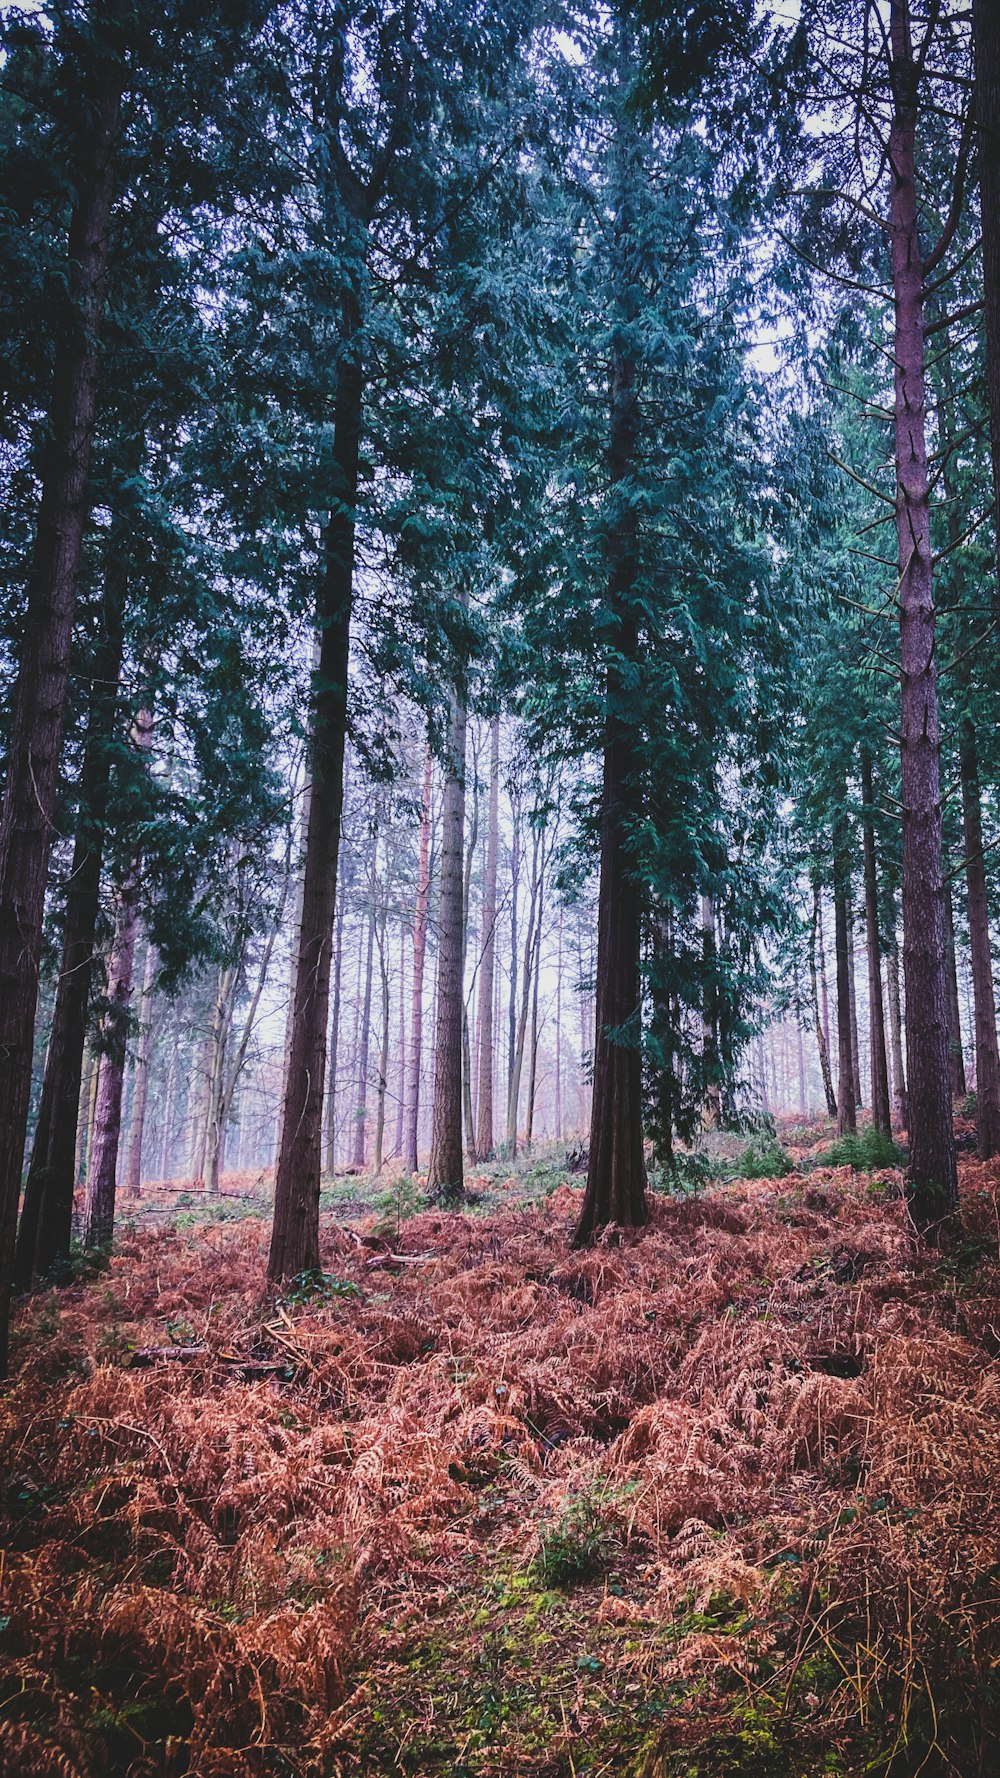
(775, 1420)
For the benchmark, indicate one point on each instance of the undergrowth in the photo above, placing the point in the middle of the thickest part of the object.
(722, 1496)
(866, 1150)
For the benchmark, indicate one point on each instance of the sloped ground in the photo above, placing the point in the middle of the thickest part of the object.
(720, 1499)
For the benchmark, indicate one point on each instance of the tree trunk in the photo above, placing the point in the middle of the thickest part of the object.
(616, 1174)
(397, 1147)
(219, 1102)
(852, 985)
(295, 1231)
(881, 1113)
(815, 932)
(987, 1057)
(43, 1236)
(140, 1091)
(824, 993)
(99, 1219)
(900, 1107)
(361, 1102)
(331, 1077)
(558, 1110)
(39, 695)
(487, 962)
(468, 1111)
(383, 1060)
(419, 953)
(846, 1103)
(956, 1057)
(986, 39)
(529, 1128)
(517, 1067)
(170, 1089)
(445, 1173)
(933, 1178)
(709, 1034)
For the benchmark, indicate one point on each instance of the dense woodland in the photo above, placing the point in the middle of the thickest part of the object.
(499, 682)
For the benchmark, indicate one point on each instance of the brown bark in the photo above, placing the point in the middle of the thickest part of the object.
(956, 1058)
(102, 1167)
(217, 1106)
(43, 1235)
(815, 931)
(881, 1113)
(445, 1171)
(984, 1002)
(419, 954)
(852, 986)
(39, 696)
(295, 1231)
(933, 1179)
(383, 1060)
(331, 1078)
(616, 1173)
(487, 962)
(140, 1086)
(899, 1105)
(361, 1101)
(846, 1103)
(986, 39)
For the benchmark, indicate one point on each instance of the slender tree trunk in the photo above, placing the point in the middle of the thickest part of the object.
(468, 1096)
(83, 1118)
(515, 884)
(397, 1147)
(801, 1059)
(846, 1104)
(986, 38)
(331, 1078)
(558, 1112)
(417, 1002)
(815, 933)
(295, 1231)
(955, 1054)
(170, 1089)
(514, 1093)
(218, 1103)
(101, 1173)
(383, 1060)
(487, 963)
(529, 1130)
(987, 1057)
(361, 1103)
(39, 695)
(881, 1113)
(824, 992)
(616, 1174)
(852, 984)
(43, 1236)
(933, 1177)
(102, 1169)
(140, 1091)
(445, 1173)
(900, 1107)
(712, 1112)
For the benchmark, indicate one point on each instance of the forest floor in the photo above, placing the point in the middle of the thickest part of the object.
(720, 1498)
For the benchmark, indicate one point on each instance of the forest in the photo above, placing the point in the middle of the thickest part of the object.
(499, 888)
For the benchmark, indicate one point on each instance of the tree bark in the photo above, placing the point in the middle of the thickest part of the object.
(517, 1065)
(616, 1173)
(445, 1172)
(383, 1060)
(815, 931)
(709, 1034)
(487, 962)
(956, 1057)
(529, 1127)
(419, 953)
(900, 1107)
(986, 40)
(331, 1078)
(140, 1090)
(853, 987)
(43, 1236)
(558, 1109)
(933, 1178)
(295, 1230)
(984, 1002)
(881, 1112)
(847, 1120)
(219, 1102)
(360, 1151)
(40, 689)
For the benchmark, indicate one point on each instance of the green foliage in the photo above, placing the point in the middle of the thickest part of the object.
(689, 1171)
(866, 1150)
(764, 1158)
(316, 1286)
(401, 1200)
(575, 1547)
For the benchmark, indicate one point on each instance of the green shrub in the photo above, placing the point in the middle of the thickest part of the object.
(764, 1158)
(865, 1150)
(575, 1547)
